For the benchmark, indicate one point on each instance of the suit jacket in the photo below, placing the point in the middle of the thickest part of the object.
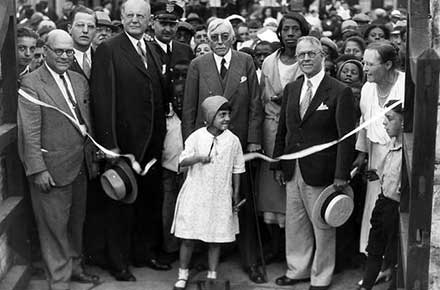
(126, 99)
(317, 127)
(240, 88)
(77, 68)
(47, 140)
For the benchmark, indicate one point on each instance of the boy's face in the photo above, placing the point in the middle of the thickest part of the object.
(393, 123)
(261, 52)
(350, 73)
(221, 120)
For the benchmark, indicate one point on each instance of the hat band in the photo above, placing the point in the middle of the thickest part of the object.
(124, 178)
(327, 202)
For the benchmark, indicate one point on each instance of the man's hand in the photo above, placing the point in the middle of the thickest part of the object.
(253, 147)
(235, 201)
(44, 181)
(278, 175)
(340, 184)
(359, 162)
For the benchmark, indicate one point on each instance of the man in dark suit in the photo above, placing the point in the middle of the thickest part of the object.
(82, 29)
(129, 118)
(316, 109)
(230, 74)
(53, 153)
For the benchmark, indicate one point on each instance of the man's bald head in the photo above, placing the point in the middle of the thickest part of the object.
(59, 50)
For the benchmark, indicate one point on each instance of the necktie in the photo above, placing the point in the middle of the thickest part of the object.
(306, 100)
(72, 101)
(142, 53)
(223, 69)
(86, 65)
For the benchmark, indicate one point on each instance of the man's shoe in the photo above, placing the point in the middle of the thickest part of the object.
(124, 275)
(285, 281)
(319, 287)
(153, 264)
(85, 278)
(255, 274)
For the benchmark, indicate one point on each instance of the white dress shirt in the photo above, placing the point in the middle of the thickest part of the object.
(164, 45)
(60, 84)
(79, 55)
(135, 41)
(218, 60)
(315, 80)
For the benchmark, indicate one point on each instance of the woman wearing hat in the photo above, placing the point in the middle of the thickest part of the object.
(279, 69)
(384, 83)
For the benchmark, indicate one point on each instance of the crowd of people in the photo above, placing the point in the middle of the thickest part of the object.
(187, 89)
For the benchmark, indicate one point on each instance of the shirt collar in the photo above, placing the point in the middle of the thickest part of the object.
(79, 53)
(54, 73)
(316, 79)
(227, 57)
(164, 45)
(135, 41)
(394, 145)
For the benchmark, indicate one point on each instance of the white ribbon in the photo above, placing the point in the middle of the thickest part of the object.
(320, 147)
(134, 164)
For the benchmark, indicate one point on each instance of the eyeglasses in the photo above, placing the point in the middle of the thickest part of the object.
(138, 16)
(216, 37)
(23, 48)
(311, 54)
(60, 52)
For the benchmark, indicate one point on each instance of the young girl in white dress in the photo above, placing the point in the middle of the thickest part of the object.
(206, 206)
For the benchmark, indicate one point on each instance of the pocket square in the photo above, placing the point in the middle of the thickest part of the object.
(243, 79)
(322, 107)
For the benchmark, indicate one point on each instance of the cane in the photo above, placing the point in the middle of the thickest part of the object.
(252, 193)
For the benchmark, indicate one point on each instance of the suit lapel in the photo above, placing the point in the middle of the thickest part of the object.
(53, 91)
(132, 55)
(79, 96)
(212, 76)
(234, 75)
(296, 94)
(320, 96)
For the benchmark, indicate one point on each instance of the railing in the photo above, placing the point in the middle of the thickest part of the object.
(13, 207)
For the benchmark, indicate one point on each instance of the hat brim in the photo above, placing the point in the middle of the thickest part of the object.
(317, 206)
(131, 196)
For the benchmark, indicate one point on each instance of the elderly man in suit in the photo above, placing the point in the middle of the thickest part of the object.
(126, 87)
(52, 150)
(316, 109)
(230, 74)
(82, 29)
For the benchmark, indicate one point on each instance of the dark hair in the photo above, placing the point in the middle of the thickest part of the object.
(81, 9)
(225, 107)
(356, 39)
(40, 42)
(254, 24)
(303, 25)
(385, 30)
(26, 32)
(200, 27)
(248, 50)
(397, 109)
(263, 42)
(387, 51)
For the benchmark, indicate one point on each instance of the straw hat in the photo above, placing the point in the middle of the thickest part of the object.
(119, 182)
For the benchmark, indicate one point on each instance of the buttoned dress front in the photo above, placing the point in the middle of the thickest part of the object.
(204, 205)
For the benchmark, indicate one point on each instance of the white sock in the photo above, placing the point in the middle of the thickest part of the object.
(212, 275)
(182, 278)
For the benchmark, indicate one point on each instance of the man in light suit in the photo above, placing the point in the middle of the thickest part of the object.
(126, 88)
(316, 109)
(53, 153)
(230, 74)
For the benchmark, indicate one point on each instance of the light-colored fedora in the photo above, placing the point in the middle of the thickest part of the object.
(119, 182)
(333, 208)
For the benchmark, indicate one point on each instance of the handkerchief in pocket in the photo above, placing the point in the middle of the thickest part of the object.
(243, 79)
(322, 107)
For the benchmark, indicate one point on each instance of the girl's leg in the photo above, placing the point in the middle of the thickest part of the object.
(186, 249)
(373, 266)
(213, 258)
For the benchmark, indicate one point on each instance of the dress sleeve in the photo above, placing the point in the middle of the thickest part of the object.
(189, 148)
(362, 141)
(238, 166)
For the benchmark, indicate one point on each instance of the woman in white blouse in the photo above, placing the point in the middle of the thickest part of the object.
(384, 82)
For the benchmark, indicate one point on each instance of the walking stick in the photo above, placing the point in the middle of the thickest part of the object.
(257, 225)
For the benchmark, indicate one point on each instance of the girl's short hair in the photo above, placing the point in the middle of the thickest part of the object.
(387, 51)
(356, 39)
(303, 24)
(397, 109)
(385, 30)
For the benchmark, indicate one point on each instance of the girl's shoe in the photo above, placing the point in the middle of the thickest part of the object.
(180, 284)
(383, 276)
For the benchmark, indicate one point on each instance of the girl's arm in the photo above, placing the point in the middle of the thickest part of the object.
(189, 161)
(236, 188)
